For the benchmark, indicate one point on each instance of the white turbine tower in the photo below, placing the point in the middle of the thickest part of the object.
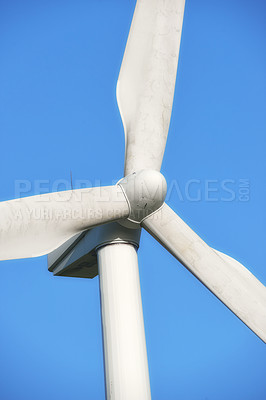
(90, 231)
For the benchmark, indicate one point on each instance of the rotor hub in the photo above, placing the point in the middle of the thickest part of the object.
(145, 192)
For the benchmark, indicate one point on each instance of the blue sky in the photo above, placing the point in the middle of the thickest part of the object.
(59, 65)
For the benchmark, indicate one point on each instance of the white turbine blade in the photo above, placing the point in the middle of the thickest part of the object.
(34, 226)
(225, 277)
(146, 82)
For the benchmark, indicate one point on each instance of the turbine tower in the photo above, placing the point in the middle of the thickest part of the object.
(97, 231)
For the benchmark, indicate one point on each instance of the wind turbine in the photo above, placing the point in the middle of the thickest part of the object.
(37, 225)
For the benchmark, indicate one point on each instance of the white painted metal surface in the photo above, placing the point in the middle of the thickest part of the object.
(146, 83)
(126, 367)
(225, 277)
(36, 225)
(145, 192)
(77, 257)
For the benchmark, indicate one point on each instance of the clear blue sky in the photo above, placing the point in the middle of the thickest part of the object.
(59, 65)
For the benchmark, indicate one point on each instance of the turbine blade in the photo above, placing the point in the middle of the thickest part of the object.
(34, 226)
(225, 277)
(146, 82)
